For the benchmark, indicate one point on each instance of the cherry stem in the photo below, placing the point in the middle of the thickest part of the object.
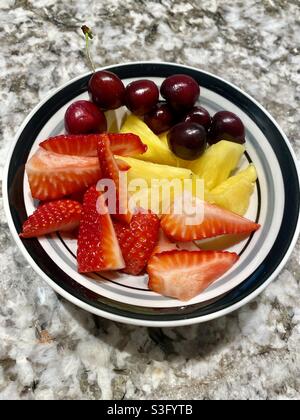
(88, 35)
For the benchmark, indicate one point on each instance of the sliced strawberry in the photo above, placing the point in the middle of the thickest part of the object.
(185, 274)
(110, 170)
(164, 244)
(52, 175)
(122, 165)
(137, 240)
(126, 144)
(98, 248)
(216, 221)
(78, 196)
(72, 144)
(63, 215)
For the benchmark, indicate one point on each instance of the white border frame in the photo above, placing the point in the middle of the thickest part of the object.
(119, 318)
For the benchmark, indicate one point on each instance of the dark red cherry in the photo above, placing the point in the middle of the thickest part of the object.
(106, 90)
(180, 91)
(187, 140)
(199, 115)
(141, 96)
(160, 118)
(226, 126)
(83, 117)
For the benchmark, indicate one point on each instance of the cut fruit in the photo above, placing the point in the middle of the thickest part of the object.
(123, 166)
(77, 196)
(75, 145)
(98, 247)
(157, 151)
(126, 144)
(163, 137)
(157, 184)
(214, 221)
(234, 194)
(60, 215)
(137, 240)
(219, 243)
(148, 171)
(110, 170)
(249, 173)
(164, 244)
(185, 274)
(52, 175)
(217, 163)
(155, 199)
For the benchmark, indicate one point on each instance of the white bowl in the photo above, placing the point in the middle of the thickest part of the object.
(124, 298)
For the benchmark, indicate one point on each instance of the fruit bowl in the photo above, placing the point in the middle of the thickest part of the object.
(124, 298)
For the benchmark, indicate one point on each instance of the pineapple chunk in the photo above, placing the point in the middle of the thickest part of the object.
(149, 171)
(249, 173)
(234, 193)
(163, 138)
(149, 199)
(161, 183)
(158, 151)
(157, 199)
(218, 161)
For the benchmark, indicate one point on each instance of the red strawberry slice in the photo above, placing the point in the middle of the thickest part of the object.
(60, 215)
(72, 144)
(185, 274)
(110, 170)
(216, 221)
(137, 240)
(126, 144)
(53, 176)
(164, 244)
(122, 165)
(77, 196)
(98, 248)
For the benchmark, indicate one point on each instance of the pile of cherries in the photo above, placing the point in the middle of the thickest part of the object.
(190, 127)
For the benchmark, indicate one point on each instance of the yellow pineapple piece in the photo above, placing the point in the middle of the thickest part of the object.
(217, 162)
(149, 171)
(159, 198)
(163, 138)
(234, 193)
(160, 183)
(158, 151)
(151, 199)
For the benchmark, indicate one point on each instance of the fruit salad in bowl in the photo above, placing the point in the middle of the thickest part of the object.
(153, 194)
(111, 180)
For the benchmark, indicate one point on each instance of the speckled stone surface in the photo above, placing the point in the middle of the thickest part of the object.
(51, 349)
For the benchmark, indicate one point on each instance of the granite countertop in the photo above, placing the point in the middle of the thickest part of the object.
(50, 348)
